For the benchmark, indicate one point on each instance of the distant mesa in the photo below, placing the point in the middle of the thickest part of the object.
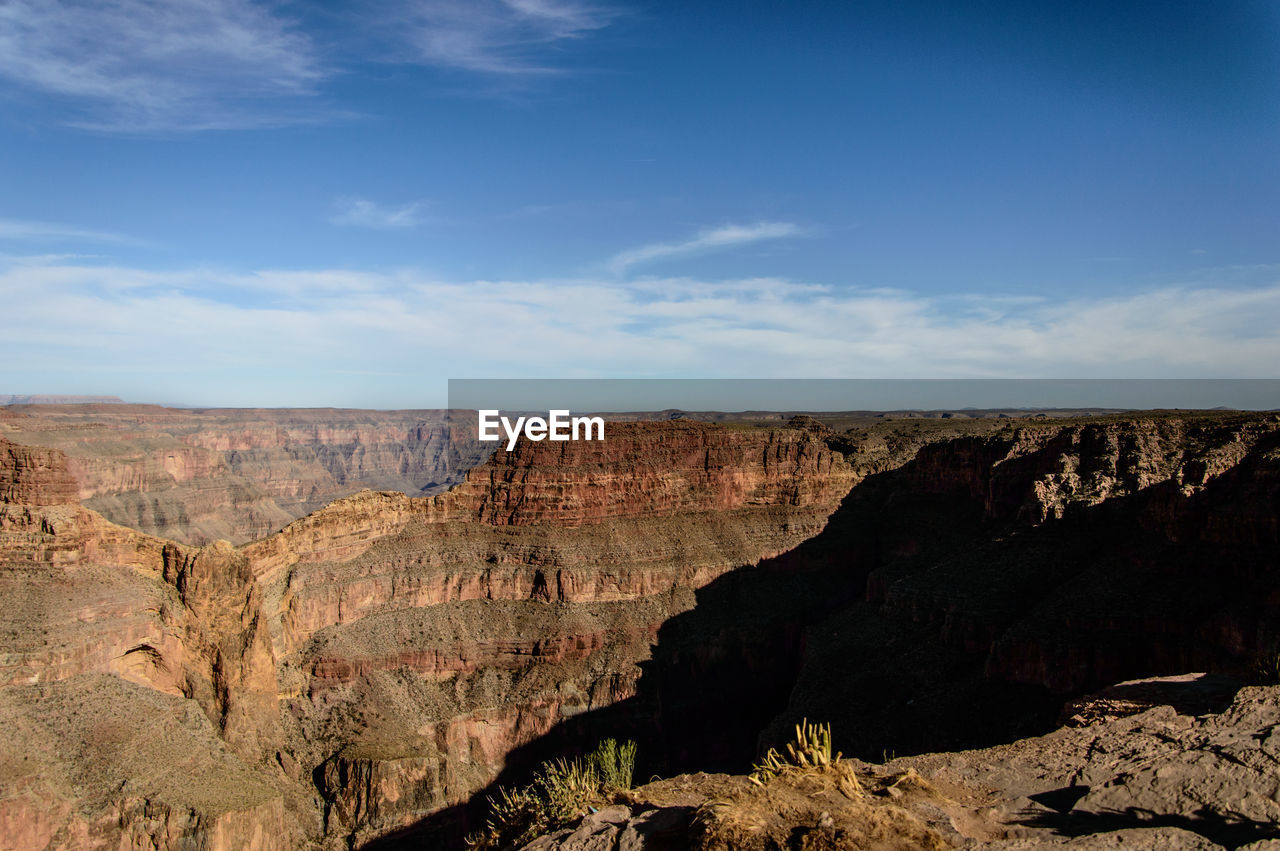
(19, 399)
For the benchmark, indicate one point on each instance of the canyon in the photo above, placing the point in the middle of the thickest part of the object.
(368, 673)
(200, 475)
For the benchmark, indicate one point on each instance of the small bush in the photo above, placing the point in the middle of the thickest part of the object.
(560, 793)
(811, 750)
(614, 764)
(515, 814)
(567, 787)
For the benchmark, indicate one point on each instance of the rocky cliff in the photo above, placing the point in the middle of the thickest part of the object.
(367, 671)
(385, 654)
(33, 475)
(1017, 568)
(529, 594)
(129, 684)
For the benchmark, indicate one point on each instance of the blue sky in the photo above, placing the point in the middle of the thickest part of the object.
(236, 202)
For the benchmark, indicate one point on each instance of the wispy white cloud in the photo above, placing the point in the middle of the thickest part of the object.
(359, 212)
(722, 237)
(501, 37)
(236, 338)
(171, 65)
(30, 231)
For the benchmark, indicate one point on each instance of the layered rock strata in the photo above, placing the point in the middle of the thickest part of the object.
(196, 476)
(375, 662)
(365, 672)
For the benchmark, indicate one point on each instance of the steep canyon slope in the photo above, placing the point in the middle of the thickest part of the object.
(374, 662)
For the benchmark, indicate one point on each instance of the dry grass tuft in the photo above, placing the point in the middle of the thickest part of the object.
(560, 793)
(810, 750)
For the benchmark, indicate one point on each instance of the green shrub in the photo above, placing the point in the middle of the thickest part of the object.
(567, 787)
(614, 764)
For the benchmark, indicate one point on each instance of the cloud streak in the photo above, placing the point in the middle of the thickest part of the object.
(178, 66)
(219, 338)
(146, 65)
(29, 231)
(362, 213)
(495, 37)
(726, 236)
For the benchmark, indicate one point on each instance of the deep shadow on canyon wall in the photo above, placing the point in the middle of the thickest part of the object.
(956, 602)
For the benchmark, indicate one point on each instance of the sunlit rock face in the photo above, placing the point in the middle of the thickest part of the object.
(376, 661)
(196, 476)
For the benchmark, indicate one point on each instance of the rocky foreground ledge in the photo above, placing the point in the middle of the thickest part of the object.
(1134, 768)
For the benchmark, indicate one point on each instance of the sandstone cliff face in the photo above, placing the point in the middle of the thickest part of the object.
(387, 653)
(127, 686)
(664, 468)
(481, 619)
(32, 475)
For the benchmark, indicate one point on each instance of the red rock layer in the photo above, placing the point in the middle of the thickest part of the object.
(648, 469)
(31, 475)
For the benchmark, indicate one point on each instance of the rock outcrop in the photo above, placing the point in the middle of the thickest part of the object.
(34, 475)
(997, 575)
(1158, 779)
(127, 684)
(647, 470)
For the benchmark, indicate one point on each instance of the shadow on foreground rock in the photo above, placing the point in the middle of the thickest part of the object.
(1227, 830)
(1188, 694)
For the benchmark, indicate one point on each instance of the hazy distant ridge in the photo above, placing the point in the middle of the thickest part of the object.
(18, 399)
